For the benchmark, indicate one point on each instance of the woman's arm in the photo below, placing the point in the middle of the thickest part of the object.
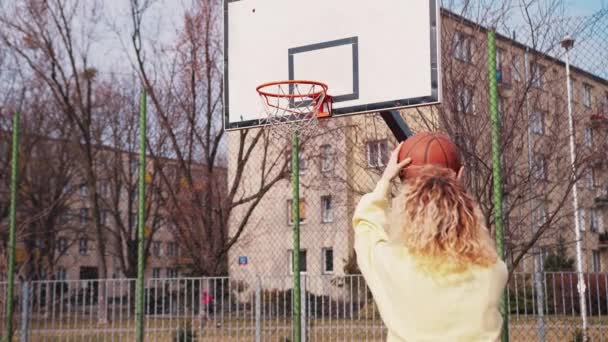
(370, 216)
(369, 221)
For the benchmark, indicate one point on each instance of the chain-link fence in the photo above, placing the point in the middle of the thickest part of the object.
(221, 203)
(222, 309)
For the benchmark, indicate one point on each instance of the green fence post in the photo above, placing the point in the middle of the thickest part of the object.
(141, 196)
(12, 228)
(295, 210)
(497, 170)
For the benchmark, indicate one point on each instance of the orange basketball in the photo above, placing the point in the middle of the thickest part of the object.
(429, 148)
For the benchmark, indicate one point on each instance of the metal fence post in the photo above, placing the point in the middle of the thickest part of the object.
(25, 299)
(303, 308)
(258, 311)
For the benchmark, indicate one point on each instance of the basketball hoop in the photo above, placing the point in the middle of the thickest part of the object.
(294, 106)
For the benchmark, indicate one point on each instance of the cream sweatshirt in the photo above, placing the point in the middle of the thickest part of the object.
(415, 306)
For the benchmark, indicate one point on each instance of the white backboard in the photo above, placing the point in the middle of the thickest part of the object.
(374, 55)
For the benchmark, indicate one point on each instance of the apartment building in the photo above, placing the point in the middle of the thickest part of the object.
(58, 239)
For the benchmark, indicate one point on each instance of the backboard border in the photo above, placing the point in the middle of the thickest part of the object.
(436, 86)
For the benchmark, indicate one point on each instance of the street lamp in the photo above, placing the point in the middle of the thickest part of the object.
(567, 43)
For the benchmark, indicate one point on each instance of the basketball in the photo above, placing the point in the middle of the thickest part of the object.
(429, 148)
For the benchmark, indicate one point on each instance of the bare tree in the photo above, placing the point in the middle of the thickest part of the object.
(188, 103)
(45, 191)
(119, 181)
(53, 40)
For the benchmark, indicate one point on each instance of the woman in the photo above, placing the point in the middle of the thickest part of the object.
(436, 276)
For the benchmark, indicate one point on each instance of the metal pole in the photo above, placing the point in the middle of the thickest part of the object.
(497, 170)
(141, 196)
(303, 306)
(396, 124)
(567, 44)
(295, 210)
(258, 311)
(12, 229)
(25, 292)
(538, 264)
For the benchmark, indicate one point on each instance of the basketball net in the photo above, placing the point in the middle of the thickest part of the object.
(294, 107)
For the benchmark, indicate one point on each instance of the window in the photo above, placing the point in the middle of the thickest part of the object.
(302, 211)
(464, 100)
(103, 216)
(537, 72)
(590, 178)
(83, 246)
(463, 47)
(5, 150)
(172, 249)
(581, 219)
(501, 111)
(134, 194)
(588, 136)
(540, 167)
(327, 214)
(133, 220)
(84, 216)
(538, 122)
(104, 189)
(156, 273)
(544, 253)
(67, 188)
(587, 95)
(62, 245)
(516, 69)
(596, 221)
(156, 248)
(302, 261)
(61, 274)
(301, 161)
(597, 263)
(326, 158)
(133, 166)
(172, 273)
(502, 76)
(540, 214)
(328, 260)
(84, 190)
(377, 153)
(499, 57)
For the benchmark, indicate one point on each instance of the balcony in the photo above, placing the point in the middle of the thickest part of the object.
(603, 240)
(600, 118)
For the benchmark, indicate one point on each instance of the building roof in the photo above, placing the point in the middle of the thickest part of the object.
(468, 22)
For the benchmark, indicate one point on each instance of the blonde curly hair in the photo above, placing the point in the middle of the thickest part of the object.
(441, 224)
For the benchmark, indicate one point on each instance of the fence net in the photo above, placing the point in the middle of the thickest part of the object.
(218, 223)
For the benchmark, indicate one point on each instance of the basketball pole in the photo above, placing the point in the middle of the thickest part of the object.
(12, 229)
(140, 217)
(295, 214)
(396, 124)
(497, 171)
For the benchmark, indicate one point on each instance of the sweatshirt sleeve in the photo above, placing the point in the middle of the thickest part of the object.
(369, 221)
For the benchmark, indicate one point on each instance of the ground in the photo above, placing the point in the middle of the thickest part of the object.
(278, 329)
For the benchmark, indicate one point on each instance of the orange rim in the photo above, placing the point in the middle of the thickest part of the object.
(261, 89)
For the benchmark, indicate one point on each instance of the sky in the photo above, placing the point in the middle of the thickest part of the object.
(586, 7)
